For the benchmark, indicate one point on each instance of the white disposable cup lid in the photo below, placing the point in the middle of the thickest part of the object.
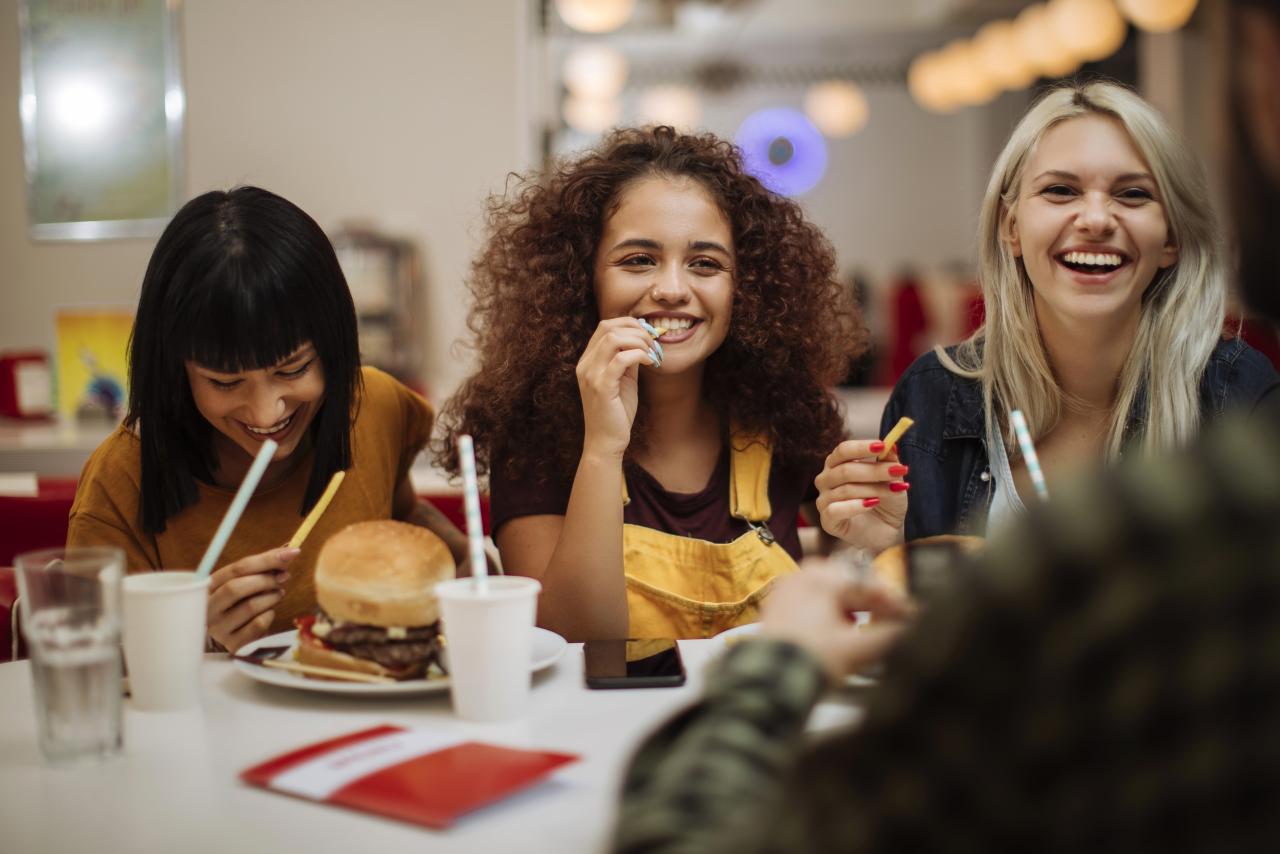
(161, 583)
(495, 588)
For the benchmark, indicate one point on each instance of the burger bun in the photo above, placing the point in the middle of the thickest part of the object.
(382, 573)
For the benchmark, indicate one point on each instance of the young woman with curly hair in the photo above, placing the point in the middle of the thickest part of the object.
(657, 334)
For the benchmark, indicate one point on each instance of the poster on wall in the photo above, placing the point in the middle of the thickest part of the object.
(102, 108)
(91, 356)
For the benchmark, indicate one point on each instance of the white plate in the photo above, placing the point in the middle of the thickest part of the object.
(738, 633)
(547, 649)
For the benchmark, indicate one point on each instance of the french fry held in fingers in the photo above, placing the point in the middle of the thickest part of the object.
(316, 512)
(891, 438)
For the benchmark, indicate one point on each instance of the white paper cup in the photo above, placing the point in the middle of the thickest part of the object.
(489, 644)
(164, 636)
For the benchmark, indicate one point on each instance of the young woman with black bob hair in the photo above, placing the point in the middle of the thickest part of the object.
(245, 331)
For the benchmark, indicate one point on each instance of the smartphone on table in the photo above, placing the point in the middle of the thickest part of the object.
(633, 664)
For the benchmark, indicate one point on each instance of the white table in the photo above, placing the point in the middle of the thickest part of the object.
(176, 786)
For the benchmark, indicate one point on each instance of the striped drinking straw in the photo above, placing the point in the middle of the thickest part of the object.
(471, 501)
(1029, 453)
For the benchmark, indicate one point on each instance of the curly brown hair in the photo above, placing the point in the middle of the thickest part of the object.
(792, 333)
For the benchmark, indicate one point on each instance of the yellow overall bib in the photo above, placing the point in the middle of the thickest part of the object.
(680, 587)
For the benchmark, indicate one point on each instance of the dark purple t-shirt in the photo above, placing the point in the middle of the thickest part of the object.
(703, 515)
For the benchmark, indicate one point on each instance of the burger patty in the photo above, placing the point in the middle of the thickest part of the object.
(352, 634)
(395, 654)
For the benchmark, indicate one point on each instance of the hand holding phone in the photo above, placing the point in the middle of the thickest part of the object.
(633, 664)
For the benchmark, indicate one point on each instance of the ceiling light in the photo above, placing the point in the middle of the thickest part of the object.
(1091, 29)
(591, 115)
(996, 45)
(595, 16)
(1157, 16)
(677, 106)
(595, 71)
(966, 76)
(1040, 45)
(837, 107)
(928, 85)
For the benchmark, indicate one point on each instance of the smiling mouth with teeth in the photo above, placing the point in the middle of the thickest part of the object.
(1092, 262)
(672, 324)
(273, 429)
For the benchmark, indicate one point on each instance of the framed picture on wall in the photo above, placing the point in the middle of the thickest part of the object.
(102, 108)
(91, 358)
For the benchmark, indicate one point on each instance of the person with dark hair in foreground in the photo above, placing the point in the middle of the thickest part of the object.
(245, 331)
(1106, 678)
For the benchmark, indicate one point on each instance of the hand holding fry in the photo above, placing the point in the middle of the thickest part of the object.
(862, 496)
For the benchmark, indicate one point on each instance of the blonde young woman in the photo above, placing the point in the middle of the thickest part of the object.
(1104, 283)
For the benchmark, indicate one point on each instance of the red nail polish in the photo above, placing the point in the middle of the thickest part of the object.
(897, 471)
(876, 447)
(870, 502)
(900, 486)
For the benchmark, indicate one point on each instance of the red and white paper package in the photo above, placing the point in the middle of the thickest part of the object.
(414, 775)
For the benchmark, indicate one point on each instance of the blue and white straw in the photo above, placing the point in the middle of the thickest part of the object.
(471, 501)
(232, 516)
(1029, 453)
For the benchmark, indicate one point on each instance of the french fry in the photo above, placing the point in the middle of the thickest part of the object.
(892, 437)
(316, 512)
(326, 672)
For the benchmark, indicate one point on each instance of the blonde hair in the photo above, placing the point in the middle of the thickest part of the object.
(1182, 309)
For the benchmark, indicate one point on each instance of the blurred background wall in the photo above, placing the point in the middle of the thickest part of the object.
(399, 113)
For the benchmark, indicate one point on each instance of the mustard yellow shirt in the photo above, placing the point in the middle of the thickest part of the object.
(391, 426)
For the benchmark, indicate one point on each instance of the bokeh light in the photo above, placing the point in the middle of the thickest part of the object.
(837, 107)
(782, 148)
(595, 16)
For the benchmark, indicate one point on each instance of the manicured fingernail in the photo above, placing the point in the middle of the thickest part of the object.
(899, 486)
(897, 471)
(281, 577)
(648, 327)
(290, 553)
(870, 502)
(876, 447)
(653, 357)
(657, 346)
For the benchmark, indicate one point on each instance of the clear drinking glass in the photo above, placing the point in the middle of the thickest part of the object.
(70, 603)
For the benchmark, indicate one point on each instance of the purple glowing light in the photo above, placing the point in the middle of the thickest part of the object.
(782, 148)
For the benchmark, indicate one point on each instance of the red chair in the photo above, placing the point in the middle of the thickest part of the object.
(38, 521)
(31, 522)
(451, 506)
(1259, 334)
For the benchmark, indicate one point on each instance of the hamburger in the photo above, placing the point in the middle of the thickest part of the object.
(378, 612)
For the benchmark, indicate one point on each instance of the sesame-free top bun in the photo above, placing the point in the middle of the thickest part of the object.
(890, 566)
(382, 574)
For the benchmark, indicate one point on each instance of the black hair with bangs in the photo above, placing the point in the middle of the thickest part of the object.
(238, 281)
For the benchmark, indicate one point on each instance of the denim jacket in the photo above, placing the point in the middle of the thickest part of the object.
(946, 449)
